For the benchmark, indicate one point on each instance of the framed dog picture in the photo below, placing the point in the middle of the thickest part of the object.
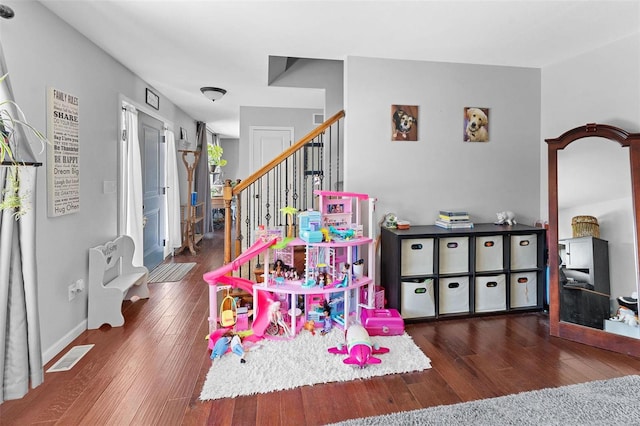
(404, 122)
(476, 124)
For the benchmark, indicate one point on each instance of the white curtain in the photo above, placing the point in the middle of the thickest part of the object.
(133, 183)
(20, 347)
(172, 199)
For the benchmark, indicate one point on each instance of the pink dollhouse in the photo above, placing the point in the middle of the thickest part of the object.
(334, 240)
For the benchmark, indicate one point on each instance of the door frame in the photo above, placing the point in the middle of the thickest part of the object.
(122, 195)
(153, 197)
(253, 129)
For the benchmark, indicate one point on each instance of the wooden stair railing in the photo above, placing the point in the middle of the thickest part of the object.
(316, 156)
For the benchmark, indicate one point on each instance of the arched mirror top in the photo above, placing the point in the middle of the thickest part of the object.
(590, 130)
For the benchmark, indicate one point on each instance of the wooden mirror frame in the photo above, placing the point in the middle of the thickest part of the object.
(566, 330)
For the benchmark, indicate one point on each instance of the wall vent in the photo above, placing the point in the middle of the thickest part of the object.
(318, 119)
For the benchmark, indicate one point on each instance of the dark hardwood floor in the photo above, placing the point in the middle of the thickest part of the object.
(151, 370)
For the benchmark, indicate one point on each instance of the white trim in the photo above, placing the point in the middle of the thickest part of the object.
(317, 119)
(252, 130)
(59, 346)
(124, 101)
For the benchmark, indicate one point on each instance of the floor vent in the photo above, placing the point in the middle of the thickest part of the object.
(70, 359)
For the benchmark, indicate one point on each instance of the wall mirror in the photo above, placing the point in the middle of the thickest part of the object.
(594, 170)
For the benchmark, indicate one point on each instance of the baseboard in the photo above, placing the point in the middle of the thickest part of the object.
(58, 346)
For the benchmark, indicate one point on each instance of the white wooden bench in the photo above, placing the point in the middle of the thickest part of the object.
(112, 279)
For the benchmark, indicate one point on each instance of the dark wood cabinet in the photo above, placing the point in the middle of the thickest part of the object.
(430, 272)
(584, 307)
(585, 287)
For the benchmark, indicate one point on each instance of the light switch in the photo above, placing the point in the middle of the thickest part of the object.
(109, 186)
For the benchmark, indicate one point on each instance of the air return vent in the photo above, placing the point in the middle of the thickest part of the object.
(70, 359)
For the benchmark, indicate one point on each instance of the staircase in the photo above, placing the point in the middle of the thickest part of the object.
(313, 162)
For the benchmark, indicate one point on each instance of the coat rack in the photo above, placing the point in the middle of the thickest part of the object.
(192, 213)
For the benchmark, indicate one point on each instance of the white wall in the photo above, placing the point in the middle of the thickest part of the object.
(601, 86)
(42, 51)
(440, 171)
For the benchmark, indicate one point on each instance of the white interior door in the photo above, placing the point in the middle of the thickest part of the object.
(152, 152)
(266, 143)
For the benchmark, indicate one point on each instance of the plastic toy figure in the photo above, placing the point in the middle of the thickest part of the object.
(279, 268)
(277, 324)
(327, 319)
(346, 269)
(236, 347)
(359, 347)
(311, 326)
(228, 339)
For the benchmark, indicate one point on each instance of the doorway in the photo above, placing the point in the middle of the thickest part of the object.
(152, 154)
(266, 143)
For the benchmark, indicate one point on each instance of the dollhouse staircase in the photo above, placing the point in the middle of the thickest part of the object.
(312, 163)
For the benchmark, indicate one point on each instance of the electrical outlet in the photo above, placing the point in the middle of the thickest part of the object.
(72, 291)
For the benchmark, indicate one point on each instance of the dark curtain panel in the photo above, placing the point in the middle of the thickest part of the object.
(202, 184)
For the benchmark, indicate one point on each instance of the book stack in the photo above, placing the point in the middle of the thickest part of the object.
(454, 220)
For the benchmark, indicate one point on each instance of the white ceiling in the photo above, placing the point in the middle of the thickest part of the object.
(180, 46)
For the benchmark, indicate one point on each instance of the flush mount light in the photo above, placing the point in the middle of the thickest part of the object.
(6, 12)
(213, 93)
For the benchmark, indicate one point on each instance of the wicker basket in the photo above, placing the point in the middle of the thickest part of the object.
(585, 226)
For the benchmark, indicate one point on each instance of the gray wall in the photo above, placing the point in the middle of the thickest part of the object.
(321, 74)
(600, 86)
(417, 179)
(231, 153)
(42, 51)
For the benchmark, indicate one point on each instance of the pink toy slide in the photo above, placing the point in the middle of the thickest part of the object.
(261, 321)
(218, 276)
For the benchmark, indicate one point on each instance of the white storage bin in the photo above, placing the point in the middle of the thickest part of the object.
(524, 251)
(453, 295)
(417, 256)
(489, 253)
(454, 255)
(524, 289)
(491, 293)
(417, 299)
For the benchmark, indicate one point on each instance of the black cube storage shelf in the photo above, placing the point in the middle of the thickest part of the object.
(430, 272)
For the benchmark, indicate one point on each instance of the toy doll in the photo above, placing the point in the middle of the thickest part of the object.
(236, 348)
(279, 268)
(327, 319)
(346, 269)
(228, 339)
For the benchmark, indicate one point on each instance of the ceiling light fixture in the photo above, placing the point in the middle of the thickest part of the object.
(6, 12)
(213, 93)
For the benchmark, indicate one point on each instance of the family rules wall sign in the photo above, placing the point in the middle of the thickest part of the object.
(63, 153)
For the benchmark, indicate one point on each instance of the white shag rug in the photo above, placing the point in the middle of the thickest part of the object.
(274, 365)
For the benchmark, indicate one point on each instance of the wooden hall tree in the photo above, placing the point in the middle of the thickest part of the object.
(192, 214)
